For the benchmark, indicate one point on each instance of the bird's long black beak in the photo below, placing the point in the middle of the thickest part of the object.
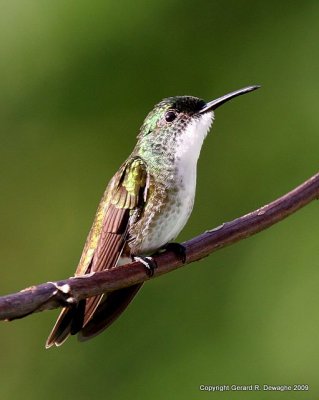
(212, 105)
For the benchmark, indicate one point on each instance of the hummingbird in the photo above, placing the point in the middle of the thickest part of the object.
(144, 207)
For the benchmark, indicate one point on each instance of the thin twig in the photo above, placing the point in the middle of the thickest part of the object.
(64, 293)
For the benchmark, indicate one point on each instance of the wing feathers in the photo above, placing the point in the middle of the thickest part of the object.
(125, 194)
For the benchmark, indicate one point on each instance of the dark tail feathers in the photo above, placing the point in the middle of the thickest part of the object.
(71, 319)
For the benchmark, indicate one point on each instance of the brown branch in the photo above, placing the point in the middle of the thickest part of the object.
(57, 294)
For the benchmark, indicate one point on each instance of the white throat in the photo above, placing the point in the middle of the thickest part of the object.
(190, 144)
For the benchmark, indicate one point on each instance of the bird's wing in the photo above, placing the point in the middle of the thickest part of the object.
(123, 201)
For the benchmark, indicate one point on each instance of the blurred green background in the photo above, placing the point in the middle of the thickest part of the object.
(76, 81)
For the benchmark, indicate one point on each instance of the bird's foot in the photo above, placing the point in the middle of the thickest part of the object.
(149, 264)
(178, 249)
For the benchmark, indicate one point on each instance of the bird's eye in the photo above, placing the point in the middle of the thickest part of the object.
(170, 116)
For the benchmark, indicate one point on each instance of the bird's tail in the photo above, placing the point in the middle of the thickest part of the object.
(71, 319)
(108, 311)
(69, 322)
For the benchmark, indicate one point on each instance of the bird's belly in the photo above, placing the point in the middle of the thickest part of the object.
(168, 222)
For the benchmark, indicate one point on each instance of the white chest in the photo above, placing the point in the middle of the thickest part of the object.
(174, 214)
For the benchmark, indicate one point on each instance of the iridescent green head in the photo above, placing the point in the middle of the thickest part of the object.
(172, 112)
(175, 113)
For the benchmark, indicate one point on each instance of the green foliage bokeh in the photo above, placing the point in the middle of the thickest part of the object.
(76, 81)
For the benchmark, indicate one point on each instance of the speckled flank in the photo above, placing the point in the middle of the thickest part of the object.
(171, 199)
